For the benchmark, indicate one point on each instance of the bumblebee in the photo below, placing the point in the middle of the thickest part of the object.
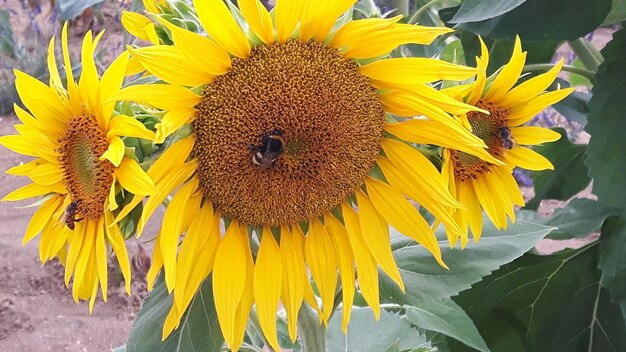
(70, 215)
(505, 135)
(272, 146)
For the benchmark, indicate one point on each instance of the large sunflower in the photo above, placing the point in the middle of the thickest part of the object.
(293, 145)
(478, 184)
(79, 166)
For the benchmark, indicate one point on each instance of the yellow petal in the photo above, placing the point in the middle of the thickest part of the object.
(115, 151)
(55, 79)
(172, 121)
(28, 191)
(437, 133)
(533, 135)
(318, 251)
(365, 263)
(376, 230)
(527, 159)
(286, 16)
(126, 126)
(293, 279)
(162, 96)
(522, 113)
(259, 20)
(402, 215)
(101, 258)
(135, 24)
(72, 89)
(247, 298)
(229, 278)
(42, 101)
(416, 70)
(173, 226)
(88, 82)
(351, 33)
(132, 177)
(419, 169)
(496, 214)
(531, 88)
(42, 216)
(509, 75)
(221, 26)
(381, 42)
(320, 16)
(46, 174)
(211, 58)
(18, 144)
(110, 84)
(345, 259)
(115, 238)
(170, 65)
(267, 286)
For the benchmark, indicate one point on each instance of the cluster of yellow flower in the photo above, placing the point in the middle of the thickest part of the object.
(305, 138)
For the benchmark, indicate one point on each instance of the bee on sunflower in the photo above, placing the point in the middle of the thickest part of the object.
(481, 185)
(80, 166)
(303, 139)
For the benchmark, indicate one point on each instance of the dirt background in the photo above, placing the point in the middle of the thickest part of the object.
(37, 312)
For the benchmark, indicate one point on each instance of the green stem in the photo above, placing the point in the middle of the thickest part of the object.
(403, 7)
(577, 70)
(588, 55)
(373, 10)
(421, 10)
(312, 332)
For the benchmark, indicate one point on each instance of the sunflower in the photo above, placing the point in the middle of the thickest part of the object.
(79, 166)
(303, 141)
(478, 184)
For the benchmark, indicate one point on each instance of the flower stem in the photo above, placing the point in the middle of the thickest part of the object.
(577, 70)
(403, 7)
(588, 55)
(312, 332)
(421, 10)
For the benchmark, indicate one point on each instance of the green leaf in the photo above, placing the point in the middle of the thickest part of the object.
(198, 331)
(426, 281)
(7, 37)
(479, 10)
(543, 20)
(365, 334)
(569, 176)
(612, 259)
(447, 318)
(607, 125)
(617, 14)
(578, 219)
(72, 8)
(546, 303)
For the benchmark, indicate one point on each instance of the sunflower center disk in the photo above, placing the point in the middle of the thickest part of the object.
(87, 178)
(305, 98)
(492, 129)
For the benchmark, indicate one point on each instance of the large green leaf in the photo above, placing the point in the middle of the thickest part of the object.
(543, 20)
(198, 330)
(426, 281)
(607, 125)
(617, 14)
(480, 10)
(569, 175)
(613, 257)
(448, 318)
(578, 219)
(607, 159)
(365, 334)
(546, 303)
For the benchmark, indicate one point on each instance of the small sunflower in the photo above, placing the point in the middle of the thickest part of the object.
(294, 145)
(478, 184)
(79, 166)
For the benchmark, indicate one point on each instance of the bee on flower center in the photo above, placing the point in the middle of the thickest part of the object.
(272, 146)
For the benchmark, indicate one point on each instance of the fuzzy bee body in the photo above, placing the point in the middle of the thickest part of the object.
(272, 146)
(70, 215)
(505, 134)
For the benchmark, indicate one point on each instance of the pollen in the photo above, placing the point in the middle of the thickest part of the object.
(493, 130)
(87, 178)
(332, 123)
